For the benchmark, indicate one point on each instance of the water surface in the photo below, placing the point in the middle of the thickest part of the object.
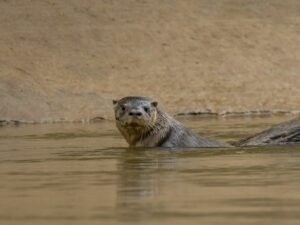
(85, 174)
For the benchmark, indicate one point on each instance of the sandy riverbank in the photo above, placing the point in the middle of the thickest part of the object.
(66, 60)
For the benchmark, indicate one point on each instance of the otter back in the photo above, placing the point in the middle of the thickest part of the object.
(179, 136)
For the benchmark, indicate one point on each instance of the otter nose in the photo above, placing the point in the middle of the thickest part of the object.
(135, 113)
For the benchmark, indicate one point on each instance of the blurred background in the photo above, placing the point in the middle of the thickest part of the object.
(67, 60)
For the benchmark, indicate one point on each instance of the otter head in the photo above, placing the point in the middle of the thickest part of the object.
(135, 112)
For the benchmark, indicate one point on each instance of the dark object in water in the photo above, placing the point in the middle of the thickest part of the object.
(281, 134)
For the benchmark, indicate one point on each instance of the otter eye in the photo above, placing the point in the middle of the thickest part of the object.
(123, 108)
(146, 109)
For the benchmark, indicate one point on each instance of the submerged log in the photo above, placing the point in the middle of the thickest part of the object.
(281, 134)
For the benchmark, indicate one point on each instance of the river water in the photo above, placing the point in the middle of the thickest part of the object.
(85, 174)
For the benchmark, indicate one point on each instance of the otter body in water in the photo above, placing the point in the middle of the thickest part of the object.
(144, 124)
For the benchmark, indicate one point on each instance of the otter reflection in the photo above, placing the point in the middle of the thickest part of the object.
(141, 175)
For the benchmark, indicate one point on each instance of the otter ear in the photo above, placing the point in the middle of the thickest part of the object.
(154, 104)
(115, 102)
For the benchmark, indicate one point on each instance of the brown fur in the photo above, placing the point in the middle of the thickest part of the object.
(153, 127)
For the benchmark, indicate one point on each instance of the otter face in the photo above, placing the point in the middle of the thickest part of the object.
(134, 112)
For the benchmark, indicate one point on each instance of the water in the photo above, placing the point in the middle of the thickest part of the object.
(84, 174)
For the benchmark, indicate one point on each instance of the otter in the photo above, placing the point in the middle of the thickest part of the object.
(143, 124)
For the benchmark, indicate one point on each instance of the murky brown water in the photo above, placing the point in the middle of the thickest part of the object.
(84, 174)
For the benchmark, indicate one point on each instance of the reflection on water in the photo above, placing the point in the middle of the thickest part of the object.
(85, 174)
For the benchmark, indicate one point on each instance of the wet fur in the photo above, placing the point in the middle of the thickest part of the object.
(161, 130)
